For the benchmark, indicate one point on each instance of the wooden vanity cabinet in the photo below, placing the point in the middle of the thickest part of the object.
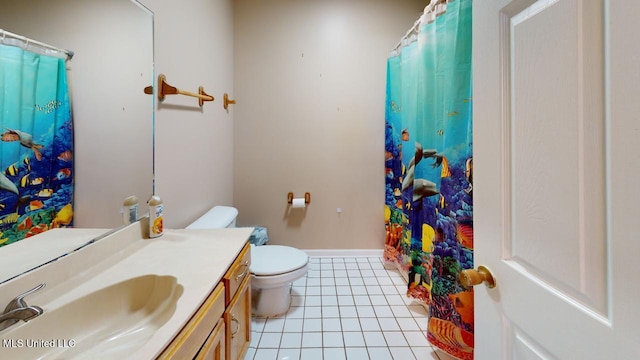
(221, 328)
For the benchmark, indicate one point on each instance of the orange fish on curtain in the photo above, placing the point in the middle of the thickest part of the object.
(36, 145)
(429, 151)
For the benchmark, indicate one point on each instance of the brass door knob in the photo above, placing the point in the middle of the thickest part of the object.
(470, 277)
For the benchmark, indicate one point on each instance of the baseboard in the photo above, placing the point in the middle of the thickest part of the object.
(344, 252)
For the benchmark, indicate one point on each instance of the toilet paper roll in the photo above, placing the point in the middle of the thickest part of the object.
(298, 203)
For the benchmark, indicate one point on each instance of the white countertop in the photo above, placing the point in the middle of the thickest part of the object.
(197, 258)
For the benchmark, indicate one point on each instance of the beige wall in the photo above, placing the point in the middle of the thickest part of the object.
(193, 145)
(310, 83)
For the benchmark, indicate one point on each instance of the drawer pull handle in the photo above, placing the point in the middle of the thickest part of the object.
(242, 274)
(233, 319)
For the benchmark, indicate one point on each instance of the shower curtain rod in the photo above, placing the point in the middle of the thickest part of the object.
(6, 34)
(432, 7)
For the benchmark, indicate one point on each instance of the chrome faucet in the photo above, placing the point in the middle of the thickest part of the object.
(18, 309)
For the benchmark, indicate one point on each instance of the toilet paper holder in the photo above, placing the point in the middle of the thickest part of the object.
(307, 198)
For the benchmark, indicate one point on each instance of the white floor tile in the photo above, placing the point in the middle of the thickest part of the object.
(340, 273)
(250, 354)
(374, 338)
(352, 339)
(350, 324)
(330, 312)
(327, 281)
(270, 341)
(312, 340)
(365, 311)
(293, 325)
(378, 300)
(379, 353)
(383, 311)
(402, 353)
(311, 354)
(313, 300)
(266, 354)
(313, 291)
(342, 281)
(379, 271)
(328, 290)
(395, 338)
(289, 354)
(357, 353)
(331, 325)
(359, 290)
(313, 282)
(274, 325)
(425, 353)
(345, 300)
(374, 290)
(388, 324)
(312, 325)
(332, 339)
(416, 338)
(291, 340)
(361, 300)
(356, 281)
(402, 311)
(389, 290)
(296, 312)
(334, 353)
(255, 339)
(348, 312)
(369, 324)
(257, 324)
(326, 273)
(395, 299)
(350, 266)
(343, 290)
(312, 312)
(329, 300)
(407, 324)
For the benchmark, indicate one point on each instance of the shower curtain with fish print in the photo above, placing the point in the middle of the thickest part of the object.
(428, 160)
(36, 147)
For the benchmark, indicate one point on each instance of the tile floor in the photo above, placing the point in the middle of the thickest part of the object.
(345, 308)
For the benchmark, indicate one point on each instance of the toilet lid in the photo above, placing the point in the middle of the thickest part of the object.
(276, 259)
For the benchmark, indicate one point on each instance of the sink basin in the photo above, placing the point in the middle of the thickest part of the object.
(109, 323)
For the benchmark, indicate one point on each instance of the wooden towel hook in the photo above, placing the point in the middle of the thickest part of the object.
(227, 101)
(166, 89)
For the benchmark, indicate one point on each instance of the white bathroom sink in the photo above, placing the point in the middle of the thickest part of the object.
(108, 323)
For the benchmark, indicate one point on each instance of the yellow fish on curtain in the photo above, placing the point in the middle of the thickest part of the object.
(429, 173)
(36, 145)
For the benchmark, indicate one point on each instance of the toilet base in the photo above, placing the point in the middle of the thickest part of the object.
(270, 302)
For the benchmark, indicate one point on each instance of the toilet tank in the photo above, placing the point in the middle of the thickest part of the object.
(217, 218)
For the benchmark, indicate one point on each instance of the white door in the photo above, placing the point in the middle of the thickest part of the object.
(557, 178)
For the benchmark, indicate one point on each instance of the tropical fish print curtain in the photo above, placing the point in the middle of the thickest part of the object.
(36, 147)
(429, 173)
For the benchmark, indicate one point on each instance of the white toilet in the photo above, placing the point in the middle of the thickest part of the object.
(273, 267)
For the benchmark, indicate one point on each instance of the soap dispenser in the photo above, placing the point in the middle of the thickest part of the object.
(130, 210)
(155, 216)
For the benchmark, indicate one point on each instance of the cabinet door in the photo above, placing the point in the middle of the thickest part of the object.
(238, 320)
(214, 348)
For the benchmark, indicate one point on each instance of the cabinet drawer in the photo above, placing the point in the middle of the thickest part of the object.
(238, 271)
(214, 348)
(190, 339)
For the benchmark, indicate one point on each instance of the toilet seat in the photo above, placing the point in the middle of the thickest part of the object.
(270, 260)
